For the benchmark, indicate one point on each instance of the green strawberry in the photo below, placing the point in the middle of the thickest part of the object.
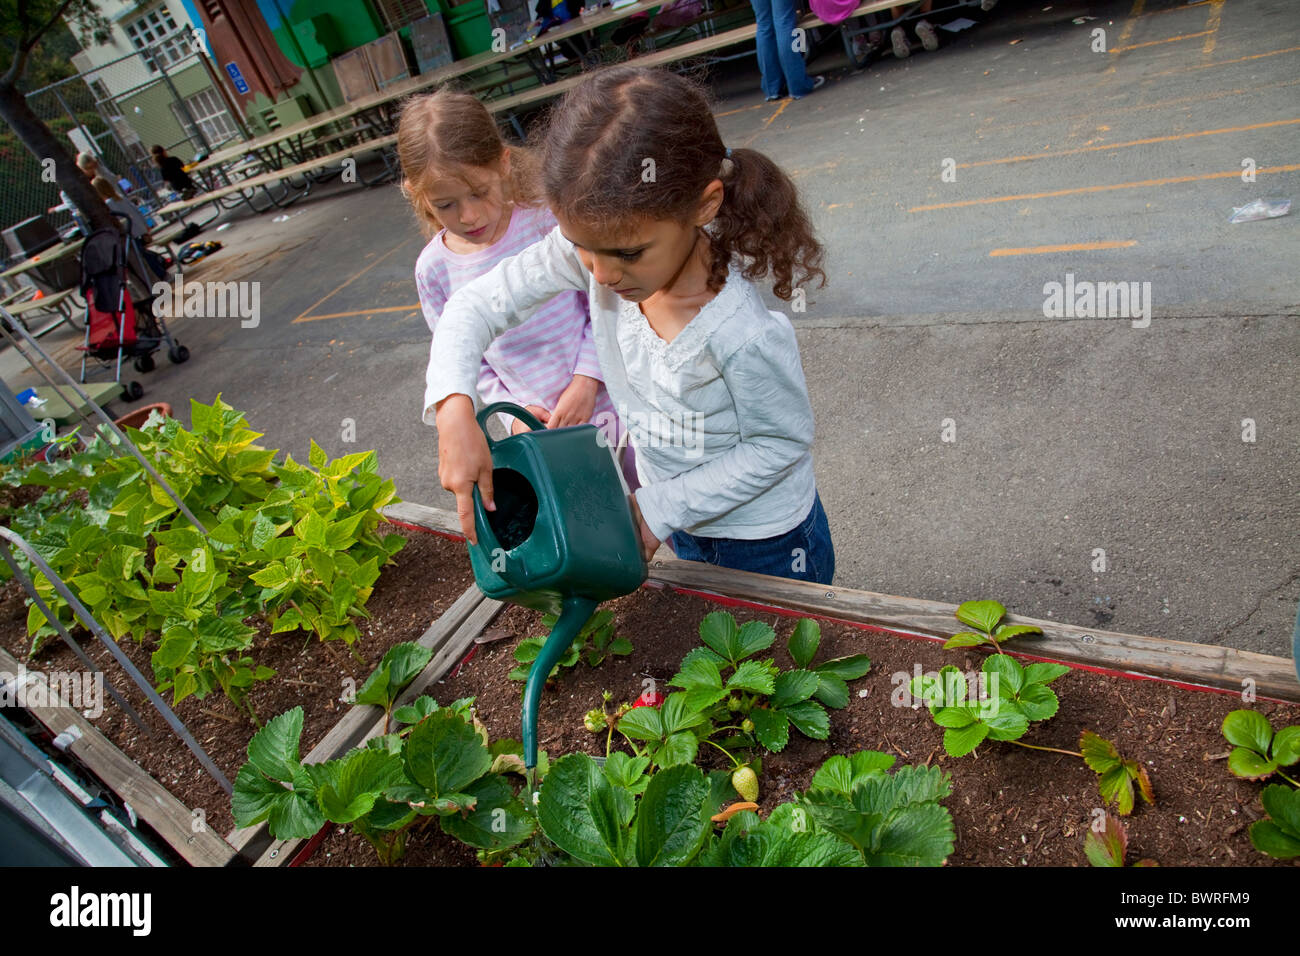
(747, 725)
(746, 783)
(594, 720)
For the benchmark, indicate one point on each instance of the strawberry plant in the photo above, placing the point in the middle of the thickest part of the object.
(1279, 834)
(1109, 847)
(399, 666)
(593, 643)
(889, 819)
(442, 770)
(1116, 775)
(1257, 752)
(298, 544)
(984, 616)
(1018, 696)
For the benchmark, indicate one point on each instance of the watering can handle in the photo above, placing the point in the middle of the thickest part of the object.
(509, 408)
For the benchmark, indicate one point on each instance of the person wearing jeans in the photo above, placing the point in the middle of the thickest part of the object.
(778, 61)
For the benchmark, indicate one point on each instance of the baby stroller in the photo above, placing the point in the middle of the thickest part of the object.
(118, 326)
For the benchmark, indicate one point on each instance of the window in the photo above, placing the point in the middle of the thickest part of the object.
(209, 112)
(158, 38)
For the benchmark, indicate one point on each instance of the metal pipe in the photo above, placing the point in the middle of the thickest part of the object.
(130, 445)
(89, 622)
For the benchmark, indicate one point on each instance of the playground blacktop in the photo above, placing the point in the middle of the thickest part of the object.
(1136, 472)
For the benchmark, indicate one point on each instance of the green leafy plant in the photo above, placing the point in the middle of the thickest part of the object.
(984, 616)
(1279, 834)
(1109, 846)
(1011, 697)
(889, 819)
(295, 543)
(726, 691)
(1017, 696)
(1116, 775)
(593, 643)
(1257, 752)
(442, 770)
(399, 666)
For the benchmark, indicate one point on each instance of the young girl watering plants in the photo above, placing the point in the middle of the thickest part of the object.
(474, 196)
(664, 227)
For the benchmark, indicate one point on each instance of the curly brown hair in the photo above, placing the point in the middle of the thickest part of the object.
(630, 143)
(441, 134)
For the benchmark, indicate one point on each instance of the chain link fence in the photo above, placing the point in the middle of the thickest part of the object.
(164, 94)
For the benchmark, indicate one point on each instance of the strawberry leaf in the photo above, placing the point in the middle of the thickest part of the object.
(1008, 631)
(804, 641)
(791, 687)
(810, 719)
(981, 615)
(1286, 746)
(832, 691)
(1109, 847)
(1043, 672)
(1246, 763)
(1250, 729)
(965, 639)
(771, 727)
(1038, 702)
(959, 741)
(1005, 674)
(1098, 753)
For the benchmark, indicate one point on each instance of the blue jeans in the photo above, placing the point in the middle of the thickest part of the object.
(777, 58)
(804, 553)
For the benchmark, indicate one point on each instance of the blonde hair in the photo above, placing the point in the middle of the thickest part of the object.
(441, 133)
(86, 160)
(105, 188)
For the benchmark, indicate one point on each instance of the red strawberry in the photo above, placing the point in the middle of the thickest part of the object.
(650, 698)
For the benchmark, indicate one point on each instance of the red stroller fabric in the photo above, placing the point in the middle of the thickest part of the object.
(104, 324)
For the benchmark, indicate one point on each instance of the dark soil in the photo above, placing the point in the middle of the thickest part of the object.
(1011, 806)
(426, 577)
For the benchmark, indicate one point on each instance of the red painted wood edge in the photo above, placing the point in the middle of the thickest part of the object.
(788, 612)
(305, 853)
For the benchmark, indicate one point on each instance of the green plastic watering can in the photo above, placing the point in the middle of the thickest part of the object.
(562, 538)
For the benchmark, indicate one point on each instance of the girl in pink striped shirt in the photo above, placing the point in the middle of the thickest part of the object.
(474, 196)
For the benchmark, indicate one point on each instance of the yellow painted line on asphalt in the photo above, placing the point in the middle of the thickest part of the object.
(1133, 142)
(1069, 247)
(306, 317)
(1080, 190)
(769, 121)
(741, 109)
(1212, 25)
(1126, 32)
(1240, 59)
(344, 315)
(1139, 46)
(1112, 112)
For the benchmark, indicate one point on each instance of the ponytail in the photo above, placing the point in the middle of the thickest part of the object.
(762, 223)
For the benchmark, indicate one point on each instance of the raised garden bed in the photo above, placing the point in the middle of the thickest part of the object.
(426, 578)
(1010, 806)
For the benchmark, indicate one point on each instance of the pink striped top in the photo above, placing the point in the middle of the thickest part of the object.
(535, 362)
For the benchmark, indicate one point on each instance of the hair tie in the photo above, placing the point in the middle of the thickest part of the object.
(728, 152)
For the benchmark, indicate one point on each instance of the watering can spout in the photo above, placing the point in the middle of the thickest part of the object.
(575, 613)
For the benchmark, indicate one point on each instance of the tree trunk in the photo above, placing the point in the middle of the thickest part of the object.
(43, 144)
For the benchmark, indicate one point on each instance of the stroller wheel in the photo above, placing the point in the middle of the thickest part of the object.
(144, 363)
(178, 354)
(131, 391)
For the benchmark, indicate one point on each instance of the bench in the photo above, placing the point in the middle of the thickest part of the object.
(305, 170)
(55, 303)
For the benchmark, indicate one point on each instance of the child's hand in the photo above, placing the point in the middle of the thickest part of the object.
(577, 403)
(539, 413)
(463, 459)
(649, 543)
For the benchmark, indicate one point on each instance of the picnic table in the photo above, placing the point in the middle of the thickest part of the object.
(61, 251)
(101, 393)
(292, 144)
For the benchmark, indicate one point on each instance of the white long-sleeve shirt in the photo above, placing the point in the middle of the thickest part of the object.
(720, 417)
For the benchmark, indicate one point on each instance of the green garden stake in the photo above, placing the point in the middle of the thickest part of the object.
(562, 538)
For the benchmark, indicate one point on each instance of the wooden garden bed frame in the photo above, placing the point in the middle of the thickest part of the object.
(450, 637)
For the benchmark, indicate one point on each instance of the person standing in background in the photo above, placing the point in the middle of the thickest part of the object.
(779, 62)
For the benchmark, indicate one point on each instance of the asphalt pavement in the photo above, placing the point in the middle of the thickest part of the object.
(997, 416)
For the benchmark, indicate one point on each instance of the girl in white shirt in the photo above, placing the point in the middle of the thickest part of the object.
(664, 228)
